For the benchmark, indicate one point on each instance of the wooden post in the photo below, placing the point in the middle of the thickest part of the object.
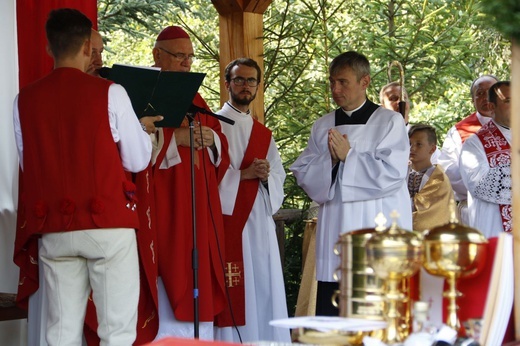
(515, 174)
(241, 35)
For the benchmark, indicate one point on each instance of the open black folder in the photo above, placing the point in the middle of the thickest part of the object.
(156, 92)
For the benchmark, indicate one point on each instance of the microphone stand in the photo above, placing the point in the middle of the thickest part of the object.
(195, 254)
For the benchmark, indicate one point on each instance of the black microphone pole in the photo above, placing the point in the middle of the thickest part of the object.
(194, 109)
(194, 253)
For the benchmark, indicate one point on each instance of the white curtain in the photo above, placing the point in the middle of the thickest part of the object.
(12, 333)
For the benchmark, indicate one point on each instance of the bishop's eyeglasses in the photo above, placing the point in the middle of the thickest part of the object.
(240, 81)
(180, 56)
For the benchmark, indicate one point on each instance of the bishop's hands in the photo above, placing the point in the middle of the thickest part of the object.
(339, 146)
(259, 169)
(203, 137)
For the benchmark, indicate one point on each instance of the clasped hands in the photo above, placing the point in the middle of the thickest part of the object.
(339, 146)
(259, 169)
(202, 137)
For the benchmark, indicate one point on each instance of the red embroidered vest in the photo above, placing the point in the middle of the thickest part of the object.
(73, 175)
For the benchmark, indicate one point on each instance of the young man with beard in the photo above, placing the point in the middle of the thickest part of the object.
(251, 193)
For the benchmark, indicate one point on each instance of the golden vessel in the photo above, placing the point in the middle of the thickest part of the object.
(394, 254)
(361, 292)
(454, 251)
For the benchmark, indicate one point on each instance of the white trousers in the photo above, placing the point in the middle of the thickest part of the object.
(104, 260)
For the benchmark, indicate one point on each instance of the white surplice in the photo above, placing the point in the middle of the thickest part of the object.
(484, 211)
(371, 180)
(449, 158)
(264, 284)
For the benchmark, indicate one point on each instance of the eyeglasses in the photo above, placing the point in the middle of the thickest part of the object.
(239, 81)
(180, 56)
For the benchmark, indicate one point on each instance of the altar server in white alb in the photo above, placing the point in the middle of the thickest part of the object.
(485, 164)
(354, 166)
(251, 192)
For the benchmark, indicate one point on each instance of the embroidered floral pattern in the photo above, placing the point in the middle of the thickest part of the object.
(40, 209)
(496, 185)
(129, 190)
(97, 206)
(67, 206)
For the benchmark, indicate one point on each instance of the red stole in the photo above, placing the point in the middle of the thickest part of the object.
(468, 126)
(498, 152)
(257, 147)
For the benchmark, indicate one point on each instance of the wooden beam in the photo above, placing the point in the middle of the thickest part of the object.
(515, 175)
(257, 6)
(241, 35)
(253, 6)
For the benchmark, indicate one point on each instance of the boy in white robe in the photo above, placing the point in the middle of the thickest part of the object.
(354, 167)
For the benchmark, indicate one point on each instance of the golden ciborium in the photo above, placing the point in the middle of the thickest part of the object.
(394, 254)
(454, 251)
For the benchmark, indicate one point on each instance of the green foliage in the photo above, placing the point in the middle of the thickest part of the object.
(505, 16)
(442, 44)
(130, 16)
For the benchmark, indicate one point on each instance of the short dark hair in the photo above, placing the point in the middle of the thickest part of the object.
(356, 61)
(242, 61)
(67, 30)
(430, 132)
(493, 91)
(480, 77)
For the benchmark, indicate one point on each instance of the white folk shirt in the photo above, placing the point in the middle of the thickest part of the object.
(371, 180)
(474, 167)
(264, 285)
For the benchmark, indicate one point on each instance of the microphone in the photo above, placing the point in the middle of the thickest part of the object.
(195, 109)
(104, 72)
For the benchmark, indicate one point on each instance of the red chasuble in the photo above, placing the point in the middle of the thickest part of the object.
(257, 147)
(468, 126)
(174, 226)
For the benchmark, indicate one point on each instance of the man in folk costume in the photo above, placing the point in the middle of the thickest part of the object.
(251, 193)
(354, 167)
(457, 135)
(75, 195)
(173, 51)
(485, 166)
